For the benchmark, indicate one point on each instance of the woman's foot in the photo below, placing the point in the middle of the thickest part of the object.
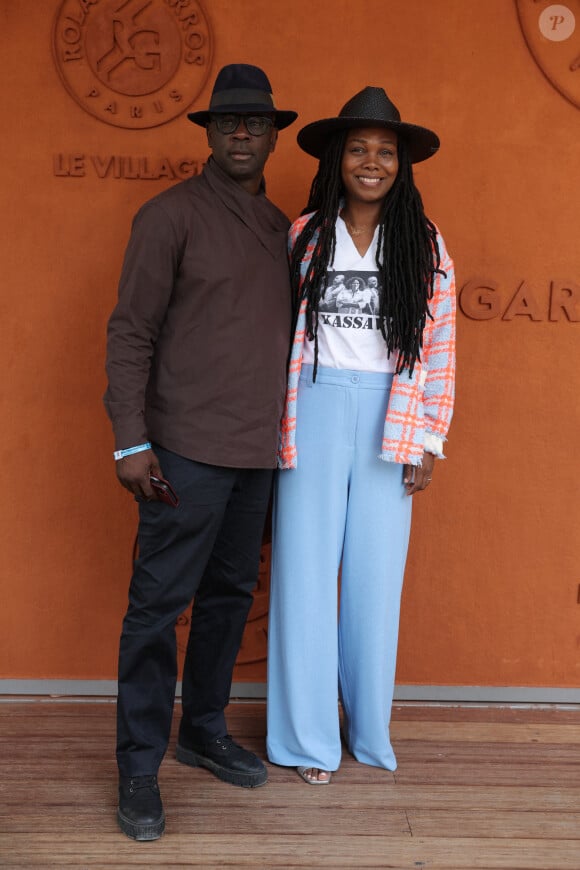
(314, 775)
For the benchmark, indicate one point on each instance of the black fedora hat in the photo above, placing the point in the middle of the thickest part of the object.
(369, 108)
(242, 88)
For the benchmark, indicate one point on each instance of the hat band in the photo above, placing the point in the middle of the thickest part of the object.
(241, 97)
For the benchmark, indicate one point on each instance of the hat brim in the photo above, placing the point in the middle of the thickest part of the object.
(281, 119)
(421, 142)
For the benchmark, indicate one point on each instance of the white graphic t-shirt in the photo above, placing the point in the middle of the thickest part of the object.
(348, 326)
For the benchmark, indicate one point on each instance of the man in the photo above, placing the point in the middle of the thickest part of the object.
(371, 296)
(197, 349)
(331, 292)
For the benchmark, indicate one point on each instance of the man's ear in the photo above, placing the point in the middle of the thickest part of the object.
(208, 133)
(273, 138)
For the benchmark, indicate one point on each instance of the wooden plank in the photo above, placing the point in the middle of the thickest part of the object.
(485, 732)
(499, 824)
(276, 821)
(210, 820)
(487, 773)
(100, 797)
(337, 851)
(525, 713)
(254, 712)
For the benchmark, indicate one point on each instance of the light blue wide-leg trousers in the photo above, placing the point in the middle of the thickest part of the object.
(342, 503)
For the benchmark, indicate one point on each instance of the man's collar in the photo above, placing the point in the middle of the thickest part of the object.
(255, 211)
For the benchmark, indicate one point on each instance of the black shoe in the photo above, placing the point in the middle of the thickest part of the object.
(140, 813)
(226, 759)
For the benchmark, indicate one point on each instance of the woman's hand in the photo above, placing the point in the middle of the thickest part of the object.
(416, 478)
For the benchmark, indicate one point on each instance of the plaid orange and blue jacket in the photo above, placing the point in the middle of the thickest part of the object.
(420, 405)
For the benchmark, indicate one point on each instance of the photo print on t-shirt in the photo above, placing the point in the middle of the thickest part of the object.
(350, 299)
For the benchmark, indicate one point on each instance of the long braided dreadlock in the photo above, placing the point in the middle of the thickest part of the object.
(407, 257)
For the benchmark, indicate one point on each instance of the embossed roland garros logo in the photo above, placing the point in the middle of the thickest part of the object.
(133, 63)
(552, 32)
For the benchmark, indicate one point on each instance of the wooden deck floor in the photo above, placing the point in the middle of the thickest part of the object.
(476, 788)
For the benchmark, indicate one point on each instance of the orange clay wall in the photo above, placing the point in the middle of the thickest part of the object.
(492, 586)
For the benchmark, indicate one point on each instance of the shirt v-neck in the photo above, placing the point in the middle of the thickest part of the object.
(346, 239)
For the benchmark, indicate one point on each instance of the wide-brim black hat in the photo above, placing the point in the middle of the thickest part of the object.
(371, 107)
(242, 89)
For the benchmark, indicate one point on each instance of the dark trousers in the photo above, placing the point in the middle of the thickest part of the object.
(208, 547)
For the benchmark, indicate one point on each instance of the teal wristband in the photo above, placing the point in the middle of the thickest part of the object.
(120, 454)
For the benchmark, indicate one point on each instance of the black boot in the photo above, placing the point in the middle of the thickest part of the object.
(140, 813)
(227, 759)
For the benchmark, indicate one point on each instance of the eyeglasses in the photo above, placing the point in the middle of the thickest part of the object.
(256, 125)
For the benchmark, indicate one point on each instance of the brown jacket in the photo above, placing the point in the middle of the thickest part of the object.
(198, 342)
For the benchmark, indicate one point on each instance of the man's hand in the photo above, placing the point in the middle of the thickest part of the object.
(417, 478)
(134, 472)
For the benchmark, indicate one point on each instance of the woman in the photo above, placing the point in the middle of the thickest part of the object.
(368, 406)
(367, 297)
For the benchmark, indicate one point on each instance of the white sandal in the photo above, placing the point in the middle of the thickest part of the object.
(303, 772)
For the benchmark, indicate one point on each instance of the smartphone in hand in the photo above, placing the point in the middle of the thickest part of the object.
(164, 491)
